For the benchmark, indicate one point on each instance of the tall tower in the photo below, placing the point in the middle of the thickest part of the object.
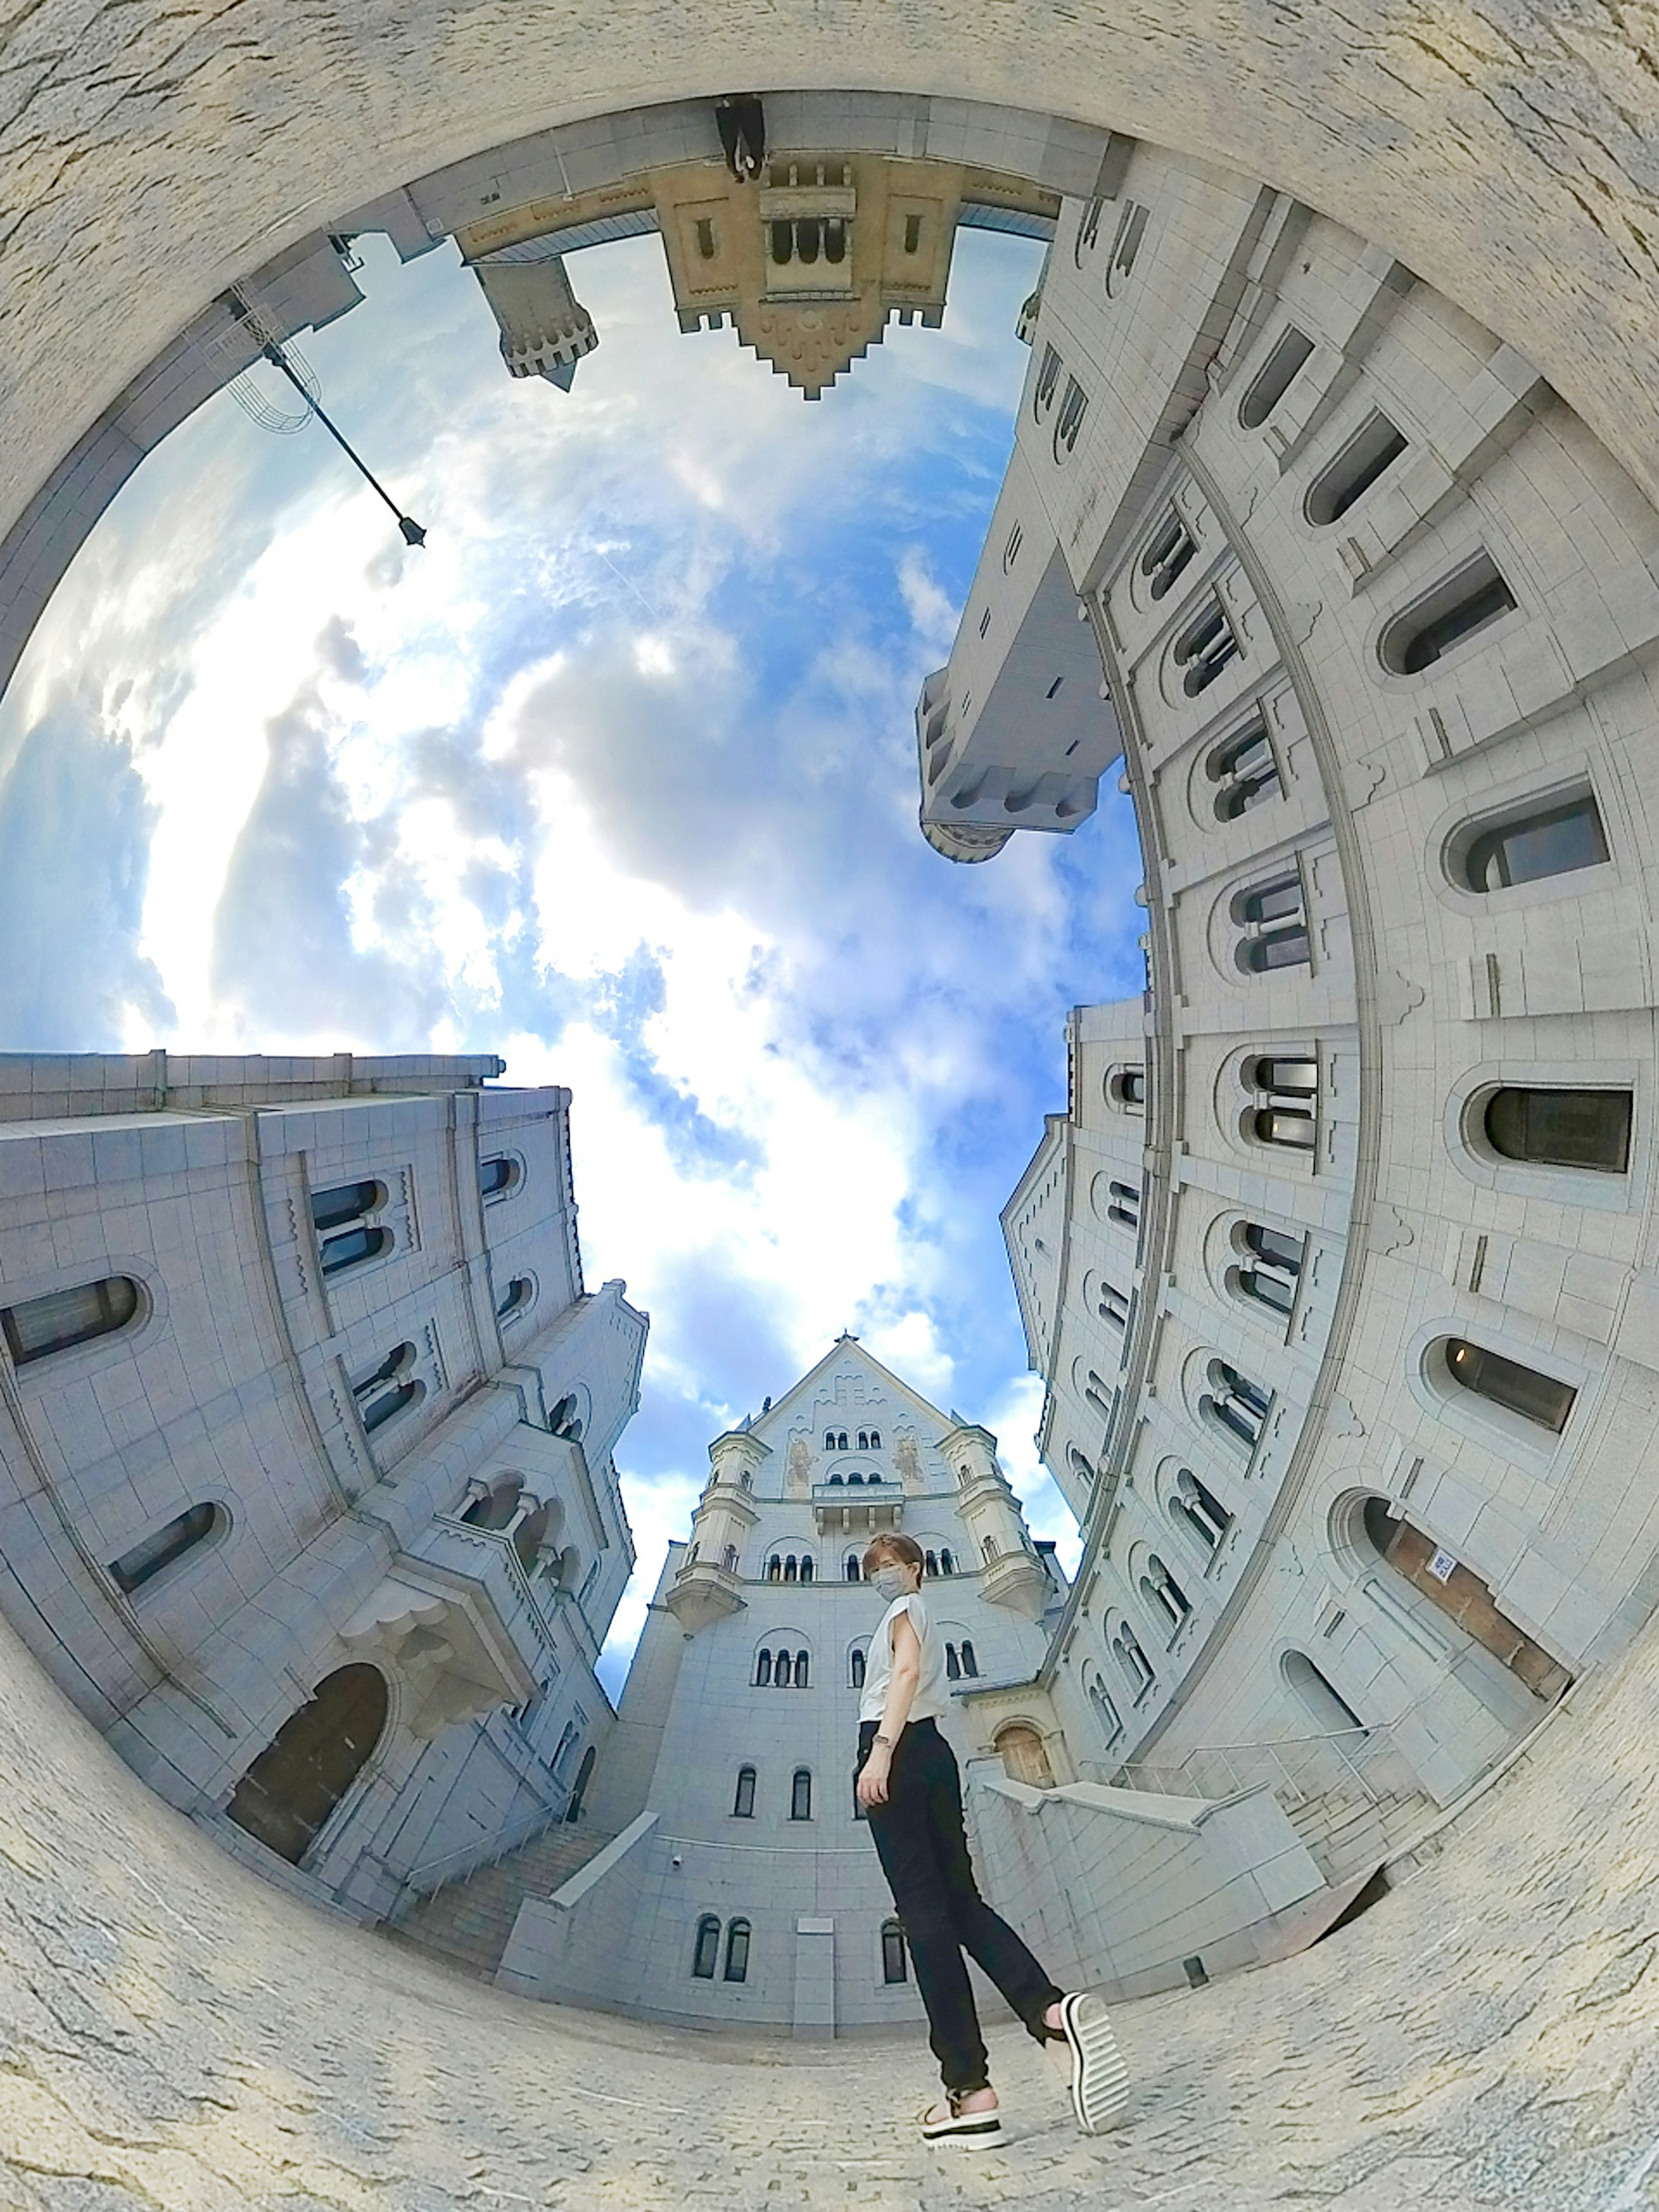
(545, 330)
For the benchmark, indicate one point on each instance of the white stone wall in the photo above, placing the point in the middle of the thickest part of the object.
(233, 1386)
(1418, 997)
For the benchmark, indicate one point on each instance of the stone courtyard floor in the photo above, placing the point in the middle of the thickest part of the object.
(175, 2033)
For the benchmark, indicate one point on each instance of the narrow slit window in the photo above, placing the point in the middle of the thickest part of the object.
(706, 237)
(737, 1951)
(1275, 377)
(855, 1664)
(36, 1328)
(1126, 248)
(1125, 1207)
(800, 1795)
(1538, 1398)
(893, 1966)
(743, 1804)
(183, 1533)
(1459, 607)
(705, 1957)
(1373, 449)
(1561, 1128)
(1167, 552)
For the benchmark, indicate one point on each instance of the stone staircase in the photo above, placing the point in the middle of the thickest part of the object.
(469, 1919)
(1349, 1831)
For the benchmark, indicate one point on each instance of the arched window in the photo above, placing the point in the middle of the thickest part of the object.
(1098, 1392)
(1320, 1696)
(781, 1671)
(1561, 1128)
(837, 1481)
(1526, 847)
(353, 1247)
(573, 1811)
(988, 1546)
(343, 1202)
(729, 1559)
(1164, 1597)
(520, 1293)
(763, 1670)
(1125, 1089)
(1025, 1755)
(855, 1667)
(159, 1550)
(775, 1569)
(1506, 1382)
(800, 1795)
(1167, 553)
(969, 1663)
(875, 1439)
(791, 1568)
(840, 1440)
(1275, 377)
(36, 1328)
(1271, 918)
(1204, 647)
(497, 1176)
(1124, 1211)
(1285, 1092)
(952, 1665)
(1137, 1666)
(1272, 1269)
(743, 1804)
(706, 1956)
(894, 1965)
(388, 1390)
(1113, 1307)
(1195, 1509)
(1235, 1404)
(1126, 246)
(1105, 1711)
(854, 1571)
(864, 1439)
(947, 1565)
(296, 1782)
(930, 1563)
(1244, 770)
(803, 1665)
(737, 1951)
(1462, 605)
(829, 1440)
(1375, 447)
(806, 1570)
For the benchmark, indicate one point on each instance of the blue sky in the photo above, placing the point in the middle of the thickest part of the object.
(616, 777)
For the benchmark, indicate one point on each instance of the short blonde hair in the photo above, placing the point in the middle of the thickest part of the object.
(891, 1545)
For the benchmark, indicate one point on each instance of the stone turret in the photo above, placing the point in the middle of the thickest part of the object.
(1013, 1574)
(545, 330)
(708, 1585)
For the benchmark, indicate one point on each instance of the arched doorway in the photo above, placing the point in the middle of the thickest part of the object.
(1024, 1756)
(301, 1776)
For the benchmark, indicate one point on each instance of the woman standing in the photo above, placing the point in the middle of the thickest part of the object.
(909, 1785)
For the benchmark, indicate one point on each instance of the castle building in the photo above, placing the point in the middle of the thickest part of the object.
(1338, 1268)
(308, 1497)
(545, 329)
(743, 1889)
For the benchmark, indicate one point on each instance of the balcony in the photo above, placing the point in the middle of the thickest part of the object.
(457, 1618)
(842, 1507)
(702, 1592)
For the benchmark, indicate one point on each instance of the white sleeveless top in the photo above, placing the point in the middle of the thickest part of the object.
(932, 1697)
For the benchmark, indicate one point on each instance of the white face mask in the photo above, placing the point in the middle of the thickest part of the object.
(888, 1583)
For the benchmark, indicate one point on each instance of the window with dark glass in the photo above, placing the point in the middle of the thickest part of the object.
(706, 1956)
(387, 1389)
(180, 1535)
(1137, 1668)
(519, 1293)
(1286, 1092)
(1125, 1207)
(1164, 1595)
(1274, 378)
(800, 1795)
(353, 1247)
(1274, 1265)
(1235, 1403)
(855, 1669)
(969, 1663)
(854, 1571)
(1561, 1128)
(1506, 1382)
(1374, 447)
(1244, 770)
(1462, 605)
(737, 1951)
(343, 1202)
(1274, 920)
(1167, 552)
(496, 1175)
(782, 1671)
(893, 1966)
(1204, 647)
(36, 1328)
(952, 1665)
(743, 1804)
(1550, 841)
(763, 1670)
(1197, 1509)
(803, 1666)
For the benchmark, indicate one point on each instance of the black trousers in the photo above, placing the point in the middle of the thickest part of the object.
(923, 1849)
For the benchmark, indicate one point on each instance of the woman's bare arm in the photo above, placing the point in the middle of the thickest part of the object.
(900, 1696)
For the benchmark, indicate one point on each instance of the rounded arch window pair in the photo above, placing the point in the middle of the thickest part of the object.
(1197, 1512)
(340, 1214)
(388, 1390)
(794, 1568)
(782, 1669)
(1283, 1092)
(1244, 769)
(706, 1950)
(1268, 1270)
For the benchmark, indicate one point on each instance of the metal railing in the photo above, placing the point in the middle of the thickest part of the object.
(472, 1858)
(1296, 1768)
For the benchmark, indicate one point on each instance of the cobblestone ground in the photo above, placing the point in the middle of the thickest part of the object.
(178, 2034)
